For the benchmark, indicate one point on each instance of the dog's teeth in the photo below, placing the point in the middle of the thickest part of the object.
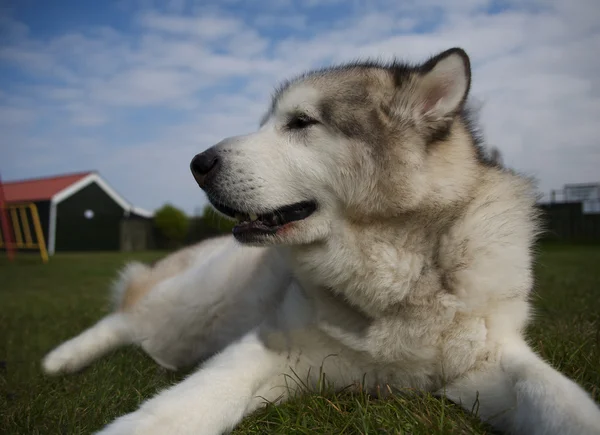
(253, 217)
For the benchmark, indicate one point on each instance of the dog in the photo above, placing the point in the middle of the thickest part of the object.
(375, 243)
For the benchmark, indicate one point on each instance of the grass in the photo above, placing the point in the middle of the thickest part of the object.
(42, 305)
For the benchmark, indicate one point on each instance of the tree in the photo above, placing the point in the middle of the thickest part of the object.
(172, 225)
(209, 224)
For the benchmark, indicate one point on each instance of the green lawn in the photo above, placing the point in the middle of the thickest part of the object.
(41, 305)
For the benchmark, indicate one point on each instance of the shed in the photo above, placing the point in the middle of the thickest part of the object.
(78, 212)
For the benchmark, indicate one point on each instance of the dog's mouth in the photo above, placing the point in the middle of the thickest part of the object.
(252, 224)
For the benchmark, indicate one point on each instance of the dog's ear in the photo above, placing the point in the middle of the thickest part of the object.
(443, 84)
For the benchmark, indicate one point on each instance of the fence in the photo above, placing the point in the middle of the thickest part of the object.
(567, 222)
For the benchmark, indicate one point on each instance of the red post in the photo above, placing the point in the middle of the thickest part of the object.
(6, 230)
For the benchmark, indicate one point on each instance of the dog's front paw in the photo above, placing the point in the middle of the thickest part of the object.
(63, 359)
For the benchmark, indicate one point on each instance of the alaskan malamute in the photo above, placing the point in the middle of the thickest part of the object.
(375, 243)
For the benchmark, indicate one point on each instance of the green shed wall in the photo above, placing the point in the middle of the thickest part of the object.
(74, 232)
(43, 208)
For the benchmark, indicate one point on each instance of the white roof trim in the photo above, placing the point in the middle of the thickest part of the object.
(85, 181)
(142, 212)
(52, 229)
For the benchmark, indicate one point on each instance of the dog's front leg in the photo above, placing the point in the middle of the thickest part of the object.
(212, 400)
(524, 395)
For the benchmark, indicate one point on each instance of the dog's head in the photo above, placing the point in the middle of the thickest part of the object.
(359, 141)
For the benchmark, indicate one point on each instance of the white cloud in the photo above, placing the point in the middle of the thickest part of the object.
(203, 27)
(10, 116)
(535, 69)
(144, 87)
(85, 116)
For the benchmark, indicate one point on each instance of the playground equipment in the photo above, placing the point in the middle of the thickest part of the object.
(20, 228)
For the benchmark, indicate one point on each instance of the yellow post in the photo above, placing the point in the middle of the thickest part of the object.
(39, 234)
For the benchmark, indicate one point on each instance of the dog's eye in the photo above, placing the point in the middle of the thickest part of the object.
(300, 121)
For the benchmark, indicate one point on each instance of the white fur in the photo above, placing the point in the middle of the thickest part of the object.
(187, 317)
(417, 278)
(109, 333)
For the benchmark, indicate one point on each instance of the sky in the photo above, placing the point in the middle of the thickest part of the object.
(135, 88)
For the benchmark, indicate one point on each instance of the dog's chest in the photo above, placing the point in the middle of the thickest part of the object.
(372, 275)
(402, 349)
(383, 303)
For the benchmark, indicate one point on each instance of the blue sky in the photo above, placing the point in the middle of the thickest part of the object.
(134, 88)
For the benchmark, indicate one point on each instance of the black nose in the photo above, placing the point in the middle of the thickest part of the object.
(203, 165)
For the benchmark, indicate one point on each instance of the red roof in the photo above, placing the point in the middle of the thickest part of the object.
(39, 188)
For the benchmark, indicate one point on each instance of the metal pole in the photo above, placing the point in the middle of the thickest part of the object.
(6, 230)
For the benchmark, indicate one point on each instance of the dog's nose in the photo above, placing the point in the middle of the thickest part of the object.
(203, 165)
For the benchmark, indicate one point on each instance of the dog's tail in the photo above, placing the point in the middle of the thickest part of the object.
(109, 333)
(131, 285)
(525, 395)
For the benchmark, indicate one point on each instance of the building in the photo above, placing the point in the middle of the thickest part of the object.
(587, 194)
(80, 212)
(581, 192)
